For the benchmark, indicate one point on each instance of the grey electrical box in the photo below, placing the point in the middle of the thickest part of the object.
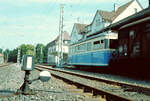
(27, 63)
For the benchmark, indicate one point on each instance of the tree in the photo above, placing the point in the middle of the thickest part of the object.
(1, 50)
(26, 49)
(39, 53)
(45, 51)
(12, 57)
(6, 55)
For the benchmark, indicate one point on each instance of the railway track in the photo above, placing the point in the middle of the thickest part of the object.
(105, 92)
(7, 64)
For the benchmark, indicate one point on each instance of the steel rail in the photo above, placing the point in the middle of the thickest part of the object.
(127, 87)
(3, 65)
(108, 95)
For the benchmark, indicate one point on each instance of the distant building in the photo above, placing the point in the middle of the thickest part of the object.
(53, 49)
(1, 58)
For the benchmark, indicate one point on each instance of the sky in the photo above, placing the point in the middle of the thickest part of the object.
(37, 21)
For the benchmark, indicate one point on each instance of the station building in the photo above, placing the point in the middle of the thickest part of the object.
(53, 48)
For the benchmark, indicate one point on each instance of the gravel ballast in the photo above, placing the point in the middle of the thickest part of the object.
(103, 86)
(11, 79)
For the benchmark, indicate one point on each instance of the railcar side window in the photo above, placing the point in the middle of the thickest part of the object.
(73, 49)
(76, 49)
(89, 46)
(102, 44)
(81, 47)
(96, 45)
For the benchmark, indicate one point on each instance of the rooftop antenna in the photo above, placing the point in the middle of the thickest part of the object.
(78, 19)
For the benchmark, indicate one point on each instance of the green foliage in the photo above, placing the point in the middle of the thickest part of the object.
(41, 53)
(12, 57)
(1, 50)
(26, 49)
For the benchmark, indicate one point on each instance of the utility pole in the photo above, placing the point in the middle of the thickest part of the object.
(41, 55)
(7, 57)
(18, 56)
(60, 40)
(35, 52)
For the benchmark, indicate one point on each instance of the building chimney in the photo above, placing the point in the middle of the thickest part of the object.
(115, 7)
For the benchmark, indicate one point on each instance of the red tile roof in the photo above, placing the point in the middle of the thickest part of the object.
(66, 36)
(1, 54)
(80, 27)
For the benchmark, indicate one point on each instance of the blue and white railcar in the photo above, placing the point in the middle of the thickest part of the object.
(97, 51)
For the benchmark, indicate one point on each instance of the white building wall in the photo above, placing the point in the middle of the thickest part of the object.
(106, 23)
(51, 59)
(97, 24)
(129, 11)
(52, 53)
(75, 36)
(65, 49)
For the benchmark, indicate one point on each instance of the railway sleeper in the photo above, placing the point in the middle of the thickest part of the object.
(136, 89)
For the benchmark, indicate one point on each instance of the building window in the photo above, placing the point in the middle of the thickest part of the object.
(65, 42)
(97, 22)
(120, 49)
(132, 34)
(125, 49)
(136, 49)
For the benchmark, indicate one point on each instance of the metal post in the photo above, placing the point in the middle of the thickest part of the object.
(25, 89)
(7, 57)
(35, 51)
(18, 57)
(41, 55)
(60, 41)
